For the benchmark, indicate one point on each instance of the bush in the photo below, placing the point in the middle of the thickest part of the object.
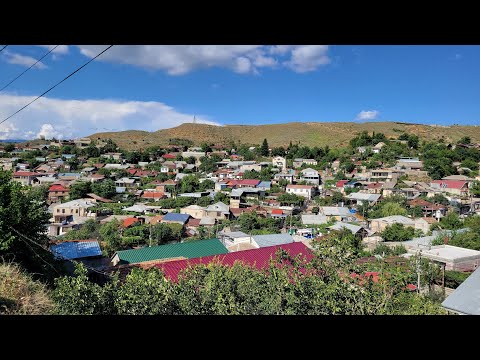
(453, 279)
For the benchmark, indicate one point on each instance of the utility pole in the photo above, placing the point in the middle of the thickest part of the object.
(150, 234)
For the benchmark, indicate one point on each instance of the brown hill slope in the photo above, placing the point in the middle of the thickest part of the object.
(334, 134)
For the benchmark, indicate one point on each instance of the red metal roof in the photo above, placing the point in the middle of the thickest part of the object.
(169, 156)
(277, 212)
(258, 258)
(57, 187)
(193, 222)
(129, 222)
(248, 182)
(341, 183)
(153, 195)
(132, 171)
(450, 184)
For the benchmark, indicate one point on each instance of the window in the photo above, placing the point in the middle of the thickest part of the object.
(63, 211)
(76, 211)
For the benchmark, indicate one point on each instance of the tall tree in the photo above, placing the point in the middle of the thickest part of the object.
(264, 150)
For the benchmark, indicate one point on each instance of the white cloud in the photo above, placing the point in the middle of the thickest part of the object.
(27, 61)
(75, 118)
(49, 132)
(307, 58)
(367, 115)
(244, 59)
(458, 56)
(60, 49)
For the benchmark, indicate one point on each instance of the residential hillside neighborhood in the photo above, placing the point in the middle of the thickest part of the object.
(165, 209)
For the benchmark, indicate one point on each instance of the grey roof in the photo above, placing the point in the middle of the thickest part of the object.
(207, 221)
(219, 206)
(309, 171)
(140, 208)
(80, 203)
(272, 239)
(396, 219)
(466, 298)
(340, 225)
(233, 234)
(335, 211)
(314, 219)
(364, 197)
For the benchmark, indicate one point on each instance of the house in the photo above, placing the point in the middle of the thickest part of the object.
(429, 209)
(166, 185)
(455, 187)
(115, 156)
(240, 197)
(236, 241)
(176, 218)
(196, 154)
(25, 177)
(465, 299)
(194, 211)
(382, 175)
(409, 164)
(378, 147)
(264, 185)
(356, 230)
(280, 162)
(186, 250)
(299, 162)
(74, 210)
(452, 257)
(257, 258)
(57, 193)
(244, 183)
(318, 219)
(360, 198)
(153, 195)
(310, 176)
(82, 142)
(289, 176)
(76, 249)
(130, 221)
(307, 191)
(362, 149)
(125, 182)
(69, 176)
(338, 213)
(218, 211)
(272, 239)
(378, 225)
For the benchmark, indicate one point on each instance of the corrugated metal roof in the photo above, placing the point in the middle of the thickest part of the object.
(272, 239)
(189, 250)
(76, 249)
(466, 298)
(319, 219)
(259, 258)
(183, 218)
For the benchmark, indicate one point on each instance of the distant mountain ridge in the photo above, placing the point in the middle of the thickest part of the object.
(333, 134)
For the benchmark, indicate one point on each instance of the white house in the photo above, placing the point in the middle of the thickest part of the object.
(307, 191)
(280, 162)
(311, 176)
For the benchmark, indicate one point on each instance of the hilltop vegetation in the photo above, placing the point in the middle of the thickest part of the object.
(334, 134)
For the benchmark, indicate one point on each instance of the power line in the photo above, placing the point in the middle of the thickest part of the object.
(3, 48)
(54, 86)
(30, 67)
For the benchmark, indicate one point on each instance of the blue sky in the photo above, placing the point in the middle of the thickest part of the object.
(153, 87)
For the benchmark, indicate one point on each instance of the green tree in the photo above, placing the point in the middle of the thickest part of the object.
(391, 208)
(222, 197)
(264, 149)
(206, 185)
(291, 199)
(451, 221)
(23, 221)
(204, 201)
(79, 190)
(104, 188)
(464, 140)
(189, 184)
(111, 236)
(397, 232)
(9, 147)
(475, 189)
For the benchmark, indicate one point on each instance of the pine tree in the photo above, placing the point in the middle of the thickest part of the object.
(264, 150)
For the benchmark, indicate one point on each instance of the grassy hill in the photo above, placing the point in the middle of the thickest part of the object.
(334, 134)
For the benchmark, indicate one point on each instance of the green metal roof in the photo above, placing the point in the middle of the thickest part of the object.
(189, 250)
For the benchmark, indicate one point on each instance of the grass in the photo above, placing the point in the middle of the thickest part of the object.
(308, 133)
(20, 294)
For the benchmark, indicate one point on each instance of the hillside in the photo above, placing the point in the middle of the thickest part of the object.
(334, 134)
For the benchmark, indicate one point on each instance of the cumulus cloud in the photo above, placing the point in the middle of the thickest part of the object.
(59, 50)
(24, 60)
(367, 115)
(74, 118)
(244, 59)
(49, 132)
(307, 58)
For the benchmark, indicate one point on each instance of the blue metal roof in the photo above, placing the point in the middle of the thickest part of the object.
(265, 184)
(76, 249)
(176, 217)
